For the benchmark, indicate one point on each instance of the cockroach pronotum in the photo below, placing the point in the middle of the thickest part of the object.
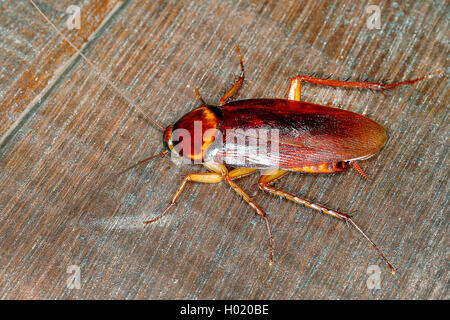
(309, 138)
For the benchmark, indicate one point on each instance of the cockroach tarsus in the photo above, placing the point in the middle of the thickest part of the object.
(327, 140)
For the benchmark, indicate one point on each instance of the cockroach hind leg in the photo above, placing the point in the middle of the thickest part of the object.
(380, 253)
(264, 184)
(295, 85)
(356, 166)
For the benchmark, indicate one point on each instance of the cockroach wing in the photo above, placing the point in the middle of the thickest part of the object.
(278, 133)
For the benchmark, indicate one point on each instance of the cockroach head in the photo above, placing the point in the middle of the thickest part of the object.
(193, 136)
(167, 138)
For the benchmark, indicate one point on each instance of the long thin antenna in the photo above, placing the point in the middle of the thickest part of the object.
(105, 79)
(161, 154)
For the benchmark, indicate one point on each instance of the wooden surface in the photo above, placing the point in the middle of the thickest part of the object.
(65, 134)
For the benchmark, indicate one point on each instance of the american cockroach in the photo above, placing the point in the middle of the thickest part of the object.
(275, 136)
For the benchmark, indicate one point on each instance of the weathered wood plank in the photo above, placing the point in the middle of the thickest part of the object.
(34, 60)
(62, 205)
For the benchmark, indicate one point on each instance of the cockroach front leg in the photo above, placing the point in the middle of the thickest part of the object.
(294, 92)
(269, 176)
(207, 177)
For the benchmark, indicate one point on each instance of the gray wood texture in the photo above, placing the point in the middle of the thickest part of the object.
(65, 134)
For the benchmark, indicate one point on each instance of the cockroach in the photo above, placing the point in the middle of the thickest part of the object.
(309, 138)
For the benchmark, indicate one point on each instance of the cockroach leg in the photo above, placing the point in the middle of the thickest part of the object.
(207, 177)
(359, 170)
(238, 82)
(240, 172)
(258, 211)
(269, 176)
(294, 92)
(236, 174)
(220, 173)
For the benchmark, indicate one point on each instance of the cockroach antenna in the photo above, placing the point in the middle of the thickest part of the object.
(161, 154)
(105, 79)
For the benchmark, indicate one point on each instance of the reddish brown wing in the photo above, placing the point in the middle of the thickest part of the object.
(305, 134)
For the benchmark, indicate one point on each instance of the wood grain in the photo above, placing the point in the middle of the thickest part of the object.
(62, 204)
(34, 61)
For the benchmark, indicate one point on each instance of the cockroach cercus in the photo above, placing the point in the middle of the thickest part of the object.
(275, 136)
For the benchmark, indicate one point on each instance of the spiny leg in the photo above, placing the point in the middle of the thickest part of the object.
(269, 176)
(208, 177)
(294, 92)
(258, 211)
(356, 166)
(238, 82)
(239, 173)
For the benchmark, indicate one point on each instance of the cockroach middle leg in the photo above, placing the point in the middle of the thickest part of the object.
(294, 92)
(238, 82)
(269, 176)
(258, 211)
(358, 169)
